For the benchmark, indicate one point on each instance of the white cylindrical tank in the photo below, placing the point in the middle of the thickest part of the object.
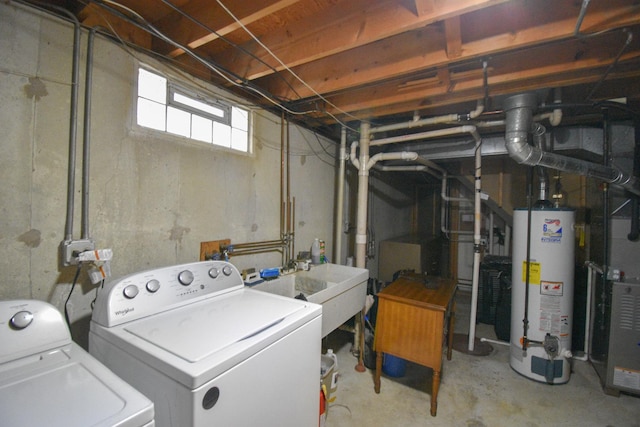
(550, 299)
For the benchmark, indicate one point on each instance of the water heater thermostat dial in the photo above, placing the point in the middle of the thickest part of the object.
(21, 319)
(185, 277)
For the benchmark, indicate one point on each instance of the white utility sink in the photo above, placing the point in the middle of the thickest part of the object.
(341, 291)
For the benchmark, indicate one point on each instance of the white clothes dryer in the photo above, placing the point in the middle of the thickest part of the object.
(208, 351)
(48, 380)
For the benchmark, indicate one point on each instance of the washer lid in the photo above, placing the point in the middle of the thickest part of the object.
(200, 330)
(69, 388)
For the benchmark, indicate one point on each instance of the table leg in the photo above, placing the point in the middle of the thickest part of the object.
(452, 321)
(378, 370)
(435, 385)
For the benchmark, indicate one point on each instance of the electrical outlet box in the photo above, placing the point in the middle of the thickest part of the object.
(71, 248)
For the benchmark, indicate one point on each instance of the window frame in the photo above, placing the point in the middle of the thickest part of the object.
(175, 86)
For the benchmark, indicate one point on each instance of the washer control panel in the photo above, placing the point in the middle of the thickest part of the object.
(29, 327)
(142, 294)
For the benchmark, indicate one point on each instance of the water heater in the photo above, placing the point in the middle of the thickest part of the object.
(545, 305)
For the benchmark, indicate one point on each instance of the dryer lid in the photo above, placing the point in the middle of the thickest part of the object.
(199, 330)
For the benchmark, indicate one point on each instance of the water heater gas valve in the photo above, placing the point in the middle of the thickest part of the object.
(551, 345)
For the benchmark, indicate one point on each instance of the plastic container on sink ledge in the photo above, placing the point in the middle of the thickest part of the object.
(315, 251)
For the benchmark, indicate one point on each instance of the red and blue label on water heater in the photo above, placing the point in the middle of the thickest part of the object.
(551, 231)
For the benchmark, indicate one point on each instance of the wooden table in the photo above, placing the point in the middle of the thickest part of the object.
(411, 324)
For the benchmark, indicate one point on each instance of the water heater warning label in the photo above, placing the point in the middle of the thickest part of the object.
(551, 231)
(534, 273)
(551, 288)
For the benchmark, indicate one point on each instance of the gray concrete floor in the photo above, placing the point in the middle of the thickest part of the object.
(475, 391)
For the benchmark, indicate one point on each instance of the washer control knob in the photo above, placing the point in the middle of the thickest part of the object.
(130, 291)
(226, 270)
(185, 277)
(21, 319)
(213, 272)
(153, 285)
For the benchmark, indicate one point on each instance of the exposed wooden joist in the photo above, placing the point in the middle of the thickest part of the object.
(211, 15)
(424, 7)
(355, 23)
(453, 36)
(515, 70)
(415, 51)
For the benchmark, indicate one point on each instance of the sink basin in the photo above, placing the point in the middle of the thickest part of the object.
(341, 291)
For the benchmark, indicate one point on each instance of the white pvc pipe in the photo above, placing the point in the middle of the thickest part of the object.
(592, 268)
(352, 155)
(401, 155)
(337, 251)
(448, 118)
(363, 189)
(417, 123)
(424, 135)
(413, 168)
(505, 343)
(476, 243)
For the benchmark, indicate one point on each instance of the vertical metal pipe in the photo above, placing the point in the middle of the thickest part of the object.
(73, 132)
(86, 146)
(606, 154)
(634, 232)
(282, 207)
(525, 319)
(583, 11)
(287, 250)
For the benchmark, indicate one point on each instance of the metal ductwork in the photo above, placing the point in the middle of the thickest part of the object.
(519, 123)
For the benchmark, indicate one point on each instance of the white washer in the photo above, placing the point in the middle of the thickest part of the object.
(209, 351)
(48, 380)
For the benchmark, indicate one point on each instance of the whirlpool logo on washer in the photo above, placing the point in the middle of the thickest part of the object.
(124, 312)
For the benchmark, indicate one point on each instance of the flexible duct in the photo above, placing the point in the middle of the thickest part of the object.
(519, 121)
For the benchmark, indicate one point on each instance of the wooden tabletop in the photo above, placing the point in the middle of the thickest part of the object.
(427, 291)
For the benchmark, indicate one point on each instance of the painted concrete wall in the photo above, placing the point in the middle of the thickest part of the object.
(153, 198)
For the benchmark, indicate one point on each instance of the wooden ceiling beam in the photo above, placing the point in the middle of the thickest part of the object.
(446, 103)
(355, 23)
(454, 37)
(415, 51)
(516, 79)
(188, 33)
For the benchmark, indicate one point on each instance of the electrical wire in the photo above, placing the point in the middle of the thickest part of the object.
(229, 42)
(73, 285)
(274, 56)
(243, 83)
